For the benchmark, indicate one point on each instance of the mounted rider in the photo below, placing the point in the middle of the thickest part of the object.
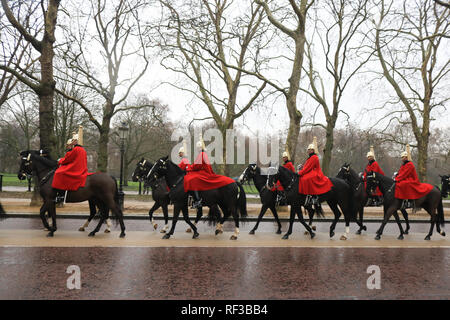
(312, 181)
(376, 198)
(184, 163)
(201, 176)
(407, 184)
(281, 196)
(72, 171)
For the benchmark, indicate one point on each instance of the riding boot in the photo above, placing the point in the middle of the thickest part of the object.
(315, 199)
(307, 201)
(197, 200)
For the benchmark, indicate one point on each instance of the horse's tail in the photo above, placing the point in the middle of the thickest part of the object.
(440, 213)
(117, 201)
(2, 212)
(242, 201)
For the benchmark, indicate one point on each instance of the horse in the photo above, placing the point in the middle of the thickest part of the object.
(445, 184)
(360, 195)
(160, 192)
(230, 198)
(100, 188)
(431, 202)
(339, 195)
(268, 197)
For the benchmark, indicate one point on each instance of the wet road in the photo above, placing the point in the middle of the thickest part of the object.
(246, 271)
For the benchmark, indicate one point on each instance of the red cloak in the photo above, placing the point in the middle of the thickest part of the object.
(407, 184)
(201, 177)
(312, 180)
(184, 164)
(72, 172)
(373, 166)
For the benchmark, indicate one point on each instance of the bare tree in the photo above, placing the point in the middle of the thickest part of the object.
(410, 40)
(44, 86)
(342, 47)
(209, 44)
(114, 29)
(292, 23)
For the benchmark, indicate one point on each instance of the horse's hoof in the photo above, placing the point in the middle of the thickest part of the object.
(50, 234)
(107, 231)
(164, 231)
(155, 226)
(285, 237)
(122, 235)
(313, 235)
(91, 234)
(188, 230)
(331, 234)
(358, 232)
(377, 237)
(364, 228)
(279, 231)
(427, 238)
(81, 229)
(233, 237)
(406, 232)
(314, 228)
(218, 232)
(195, 236)
(443, 233)
(166, 236)
(306, 233)
(400, 237)
(252, 232)
(343, 237)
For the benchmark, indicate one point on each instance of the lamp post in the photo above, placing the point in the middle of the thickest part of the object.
(123, 129)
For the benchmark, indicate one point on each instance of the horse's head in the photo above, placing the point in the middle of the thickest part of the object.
(141, 171)
(25, 168)
(445, 181)
(159, 169)
(372, 182)
(344, 172)
(248, 173)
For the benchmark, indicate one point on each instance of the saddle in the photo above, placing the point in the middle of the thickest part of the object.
(408, 204)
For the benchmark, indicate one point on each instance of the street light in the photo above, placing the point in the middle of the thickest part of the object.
(123, 130)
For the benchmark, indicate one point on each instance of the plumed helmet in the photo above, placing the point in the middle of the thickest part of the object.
(201, 143)
(69, 141)
(407, 153)
(286, 154)
(371, 153)
(181, 150)
(75, 137)
(314, 146)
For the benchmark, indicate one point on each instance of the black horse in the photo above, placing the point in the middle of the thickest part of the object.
(360, 195)
(100, 188)
(228, 198)
(445, 184)
(160, 192)
(431, 202)
(268, 197)
(339, 195)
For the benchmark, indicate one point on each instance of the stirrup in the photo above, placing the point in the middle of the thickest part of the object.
(197, 204)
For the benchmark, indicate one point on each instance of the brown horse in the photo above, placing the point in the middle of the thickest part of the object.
(100, 189)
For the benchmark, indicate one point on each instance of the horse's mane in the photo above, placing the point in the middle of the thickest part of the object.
(46, 161)
(178, 170)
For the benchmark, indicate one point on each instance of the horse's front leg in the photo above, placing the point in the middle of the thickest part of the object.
(188, 221)
(302, 221)
(405, 216)
(260, 216)
(165, 210)
(197, 218)
(52, 213)
(234, 236)
(337, 214)
(176, 214)
(362, 227)
(291, 222)
(397, 219)
(275, 214)
(42, 212)
(387, 215)
(155, 206)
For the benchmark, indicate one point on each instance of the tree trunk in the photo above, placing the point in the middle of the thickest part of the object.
(422, 147)
(102, 159)
(294, 129)
(328, 148)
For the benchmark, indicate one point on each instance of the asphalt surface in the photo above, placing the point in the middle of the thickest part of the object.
(261, 266)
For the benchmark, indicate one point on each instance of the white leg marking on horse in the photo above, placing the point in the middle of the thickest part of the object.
(85, 225)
